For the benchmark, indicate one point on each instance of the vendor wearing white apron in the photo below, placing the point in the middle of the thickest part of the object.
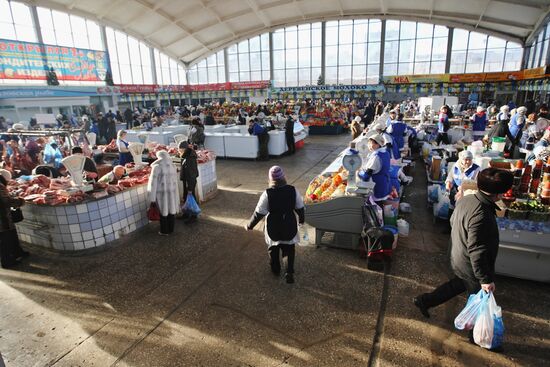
(464, 169)
(377, 167)
(479, 123)
(124, 155)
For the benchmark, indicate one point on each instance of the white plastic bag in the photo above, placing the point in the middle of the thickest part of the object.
(302, 233)
(489, 328)
(466, 319)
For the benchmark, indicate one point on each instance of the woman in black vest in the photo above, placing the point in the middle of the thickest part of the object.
(279, 202)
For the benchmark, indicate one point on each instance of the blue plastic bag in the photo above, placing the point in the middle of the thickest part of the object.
(191, 206)
(489, 327)
(466, 319)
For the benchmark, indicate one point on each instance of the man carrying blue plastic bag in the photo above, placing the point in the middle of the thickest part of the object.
(474, 242)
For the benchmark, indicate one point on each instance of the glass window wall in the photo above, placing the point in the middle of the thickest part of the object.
(248, 60)
(414, 48)
(474, 52)
(352, 53)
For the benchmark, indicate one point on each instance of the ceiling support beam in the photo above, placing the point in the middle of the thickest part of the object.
(252, 4)
(172, 20)
(482, 13)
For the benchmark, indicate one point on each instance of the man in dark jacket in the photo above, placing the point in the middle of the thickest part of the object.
(474, 241)
(188, 174)
(289, 135)
(128, 118)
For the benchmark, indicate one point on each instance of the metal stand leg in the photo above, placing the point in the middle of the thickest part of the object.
(318, 236)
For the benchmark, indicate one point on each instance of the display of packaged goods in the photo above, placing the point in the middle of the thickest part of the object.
(326, 187)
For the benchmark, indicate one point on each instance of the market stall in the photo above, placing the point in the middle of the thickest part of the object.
(63, 217)
(524, 221)
(162, 135)
(334, 202)
(235, 141)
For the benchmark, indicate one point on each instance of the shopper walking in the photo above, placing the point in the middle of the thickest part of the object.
(474, 241)
(188, 175)
(163, 191)
(10, 249)
(279, 203)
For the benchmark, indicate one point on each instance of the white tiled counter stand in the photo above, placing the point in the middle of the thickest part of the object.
(85, 225)
(207, 182)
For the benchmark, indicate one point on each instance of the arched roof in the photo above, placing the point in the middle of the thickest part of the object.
(191, 29)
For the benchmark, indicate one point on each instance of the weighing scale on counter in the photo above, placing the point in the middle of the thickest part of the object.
(75, 166)
(352, 163)
(136, 150)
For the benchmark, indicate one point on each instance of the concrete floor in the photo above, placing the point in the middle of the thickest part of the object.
(205, 296)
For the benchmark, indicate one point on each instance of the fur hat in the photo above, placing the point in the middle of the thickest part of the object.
(495, 180)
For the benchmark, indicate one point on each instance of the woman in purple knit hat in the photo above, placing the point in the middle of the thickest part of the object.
(279, 203)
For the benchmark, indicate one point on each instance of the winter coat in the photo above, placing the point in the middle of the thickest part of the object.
(6, 203)
(196, 135)
(163, 184)
(474, 238)
(189, 168)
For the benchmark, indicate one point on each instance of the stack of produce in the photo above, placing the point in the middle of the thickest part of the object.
(324, 188)
(533, 210)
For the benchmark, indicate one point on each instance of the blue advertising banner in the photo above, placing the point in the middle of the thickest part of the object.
(26, 60)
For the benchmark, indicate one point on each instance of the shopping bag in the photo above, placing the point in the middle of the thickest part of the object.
(489, 327)
(153, 213)
(191, 206)
(466, 319)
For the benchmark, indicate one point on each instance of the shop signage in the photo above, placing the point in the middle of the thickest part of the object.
(26, 60)
(329, 88)
(467, 78)
(154, 88)
(535, 73)
(261, 84)
(410, 79)
(43, 92)
(504, 76)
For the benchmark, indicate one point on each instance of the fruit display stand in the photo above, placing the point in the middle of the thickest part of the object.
(341, 215)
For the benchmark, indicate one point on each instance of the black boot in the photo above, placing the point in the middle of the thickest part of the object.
(418, 302)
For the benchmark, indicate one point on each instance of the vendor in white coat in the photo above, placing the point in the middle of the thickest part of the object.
(163, 191)
(377, 168)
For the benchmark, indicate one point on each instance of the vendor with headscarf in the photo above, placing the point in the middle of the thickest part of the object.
(377, 167)
(479, 123)
(464, 169)
(124, 155)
